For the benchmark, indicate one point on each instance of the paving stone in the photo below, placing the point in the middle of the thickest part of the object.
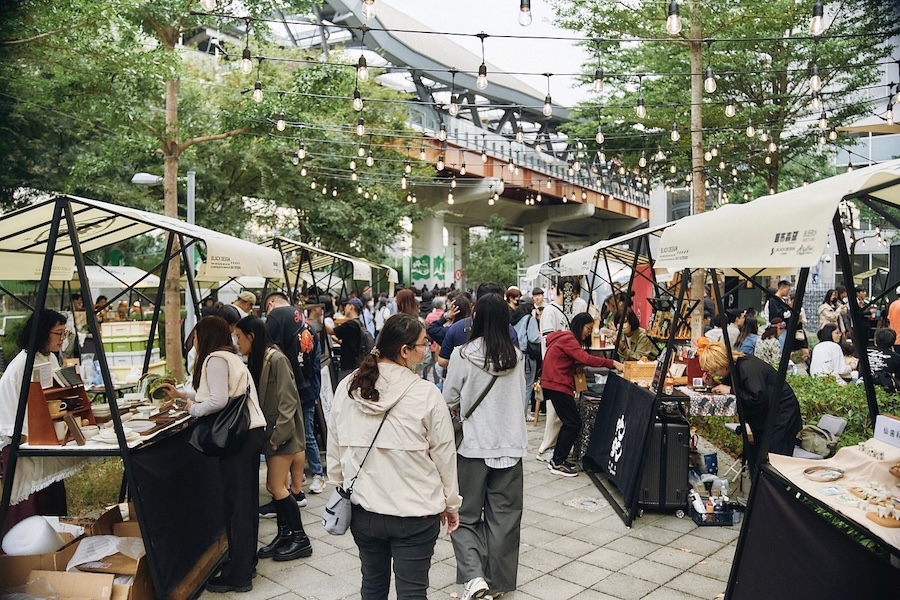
(593, 595)
(534, 536)
(543, 560)
(633, 546)
(691, 583)
(667, 593)
(675, 558)
(657, 535)
(596, 535)
(558, 525)
(715, 569)
(550, 586)
(697, 545)
(648, 570)
(608, 559)
(684, 525)
(625, 587)
(570, 547)
(718, 534)
(582, 573)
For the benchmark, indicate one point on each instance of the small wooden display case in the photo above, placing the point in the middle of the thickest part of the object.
(41, 430)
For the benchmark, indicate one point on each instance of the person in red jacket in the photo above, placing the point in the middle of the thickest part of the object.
(565, 351)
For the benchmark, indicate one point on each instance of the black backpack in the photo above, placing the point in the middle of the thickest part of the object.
(366, 341)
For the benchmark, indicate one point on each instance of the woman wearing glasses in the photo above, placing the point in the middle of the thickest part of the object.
(51, 334)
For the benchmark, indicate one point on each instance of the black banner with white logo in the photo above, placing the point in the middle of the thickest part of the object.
(620, 433)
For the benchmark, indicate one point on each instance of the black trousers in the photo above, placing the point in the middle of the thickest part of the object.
(408, 541)
(240, 482)
(564, 404)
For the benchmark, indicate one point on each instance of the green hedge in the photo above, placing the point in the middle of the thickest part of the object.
(817, 396)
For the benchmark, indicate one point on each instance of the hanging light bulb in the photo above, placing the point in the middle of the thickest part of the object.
(816, 101)
(312, 185)
(729, 107)
(357, 101)
(295, 161)
(539, 198)
(442, 133)
(549, 183)
(764, 136)
(583, 194)
(850, 166)
(642, 161)
(334, 193)
(673, 21)
(449, 197)
(353, 176)
(301, 151)
(360, 127)
(440, 162)
(709, 83)
(832, 135)
(815, 82)
(257, 92)
(368, 9)
(525, 13)
(303, 171)
(768, 159)
(817, 23)
(246, 61)
(370, 160)
(492, 199)
(462, 169)
(208, 4)
(889, 114)
(511, 165)
(483, 156)
(548, 107)
(454, 105)
(362, 69)
(453, 182)
(352, 164)
(672, 169)
(640, 110)
(715, 151)
(324, 189)
(481, 82)
(773, 147)
(823, 121)
(598, 81)
(600, 137)
(361, 151)
(366, 194)
(675, 136)
(422, 152)
(601, 156)
(407, 167)
(822, 140)
(359, 189)
(733, 171)
(707, 156)
(751, 131)
(520, 135)
(721, 165)
(280, 124)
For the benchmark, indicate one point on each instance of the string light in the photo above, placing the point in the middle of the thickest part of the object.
(301, 151)
(548, 104)
(520, 135)
(675, 136)
(889, 114)
(481, 82)
(764, 136)
(303, 171)
(361, 151)
(751, 131)
(362, 69)
(442, 133)
(815, 82)
(525, 13)
(454, 99)
(208, 4)
(832, 135)
(440, 162)
(370, 159)
(773, 147)
(281, 124)
(673, 21)
(729, 107)
(816, 101)
(449, 197)
(361, 127)
(817, 23)
(642, 161)
(639, 109)
(258, 92)
(823, 121)
(246, 60)
(598, 81)
(709, 83)
(368, 9)
(357, 101)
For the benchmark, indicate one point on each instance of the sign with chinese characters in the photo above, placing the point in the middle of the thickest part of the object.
(887, 430)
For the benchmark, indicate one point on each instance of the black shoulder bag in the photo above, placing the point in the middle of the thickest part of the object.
(223, 432)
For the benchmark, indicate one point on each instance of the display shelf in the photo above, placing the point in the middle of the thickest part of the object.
(41, 422)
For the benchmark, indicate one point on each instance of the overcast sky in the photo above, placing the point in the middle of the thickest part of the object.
(500, 17)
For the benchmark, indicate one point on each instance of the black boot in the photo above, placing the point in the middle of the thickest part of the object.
(298, 544)
(282, 537)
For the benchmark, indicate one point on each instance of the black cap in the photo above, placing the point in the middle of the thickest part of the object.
(537, 292)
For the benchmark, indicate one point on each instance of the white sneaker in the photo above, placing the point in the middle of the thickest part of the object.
(529, 418)
(475, 588)
(545, 456)
(318, 485)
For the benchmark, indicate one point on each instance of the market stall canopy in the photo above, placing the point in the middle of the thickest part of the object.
(780, 232)
(581, 262)
(119, 277)
(100, 224)
(318, 259)
(873, 124)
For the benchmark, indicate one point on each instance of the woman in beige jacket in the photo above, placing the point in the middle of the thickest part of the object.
(408, 486)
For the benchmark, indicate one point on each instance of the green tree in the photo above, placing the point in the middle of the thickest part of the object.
(493, 257)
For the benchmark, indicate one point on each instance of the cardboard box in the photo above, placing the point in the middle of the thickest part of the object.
(887, 429)
(72, 586)
(14, 570)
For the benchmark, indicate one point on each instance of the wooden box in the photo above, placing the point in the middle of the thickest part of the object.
(639, 371)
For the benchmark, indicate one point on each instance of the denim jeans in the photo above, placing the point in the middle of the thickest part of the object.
(312, 448)
(408, 542)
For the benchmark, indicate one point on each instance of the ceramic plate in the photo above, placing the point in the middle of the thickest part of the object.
(141, 426)
(823, 473)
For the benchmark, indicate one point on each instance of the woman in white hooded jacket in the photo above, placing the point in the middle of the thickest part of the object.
(490, 455)
(407, 486)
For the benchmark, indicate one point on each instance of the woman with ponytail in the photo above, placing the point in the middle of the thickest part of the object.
(407, 487)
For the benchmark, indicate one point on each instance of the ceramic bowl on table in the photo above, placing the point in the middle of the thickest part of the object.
(144, 411)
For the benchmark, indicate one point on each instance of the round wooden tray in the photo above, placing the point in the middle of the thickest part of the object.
(883, 521)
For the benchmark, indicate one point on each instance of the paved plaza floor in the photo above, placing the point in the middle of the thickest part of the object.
(573, 546)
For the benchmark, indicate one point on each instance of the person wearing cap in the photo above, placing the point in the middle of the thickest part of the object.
(244, 303)
(537, 294)
(350, 334)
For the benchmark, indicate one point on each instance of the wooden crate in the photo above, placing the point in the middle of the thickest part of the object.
(639, 371)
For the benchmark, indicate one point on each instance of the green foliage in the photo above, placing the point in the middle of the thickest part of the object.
(494, 257)
(11, 333)
(817, 396)
(754, 61)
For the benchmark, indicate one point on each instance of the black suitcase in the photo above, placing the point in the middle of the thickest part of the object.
(664, 484)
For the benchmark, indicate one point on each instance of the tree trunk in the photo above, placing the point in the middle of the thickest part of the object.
(698, 175)
(174, 361)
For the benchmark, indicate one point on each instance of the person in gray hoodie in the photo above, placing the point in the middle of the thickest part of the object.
(489, 459)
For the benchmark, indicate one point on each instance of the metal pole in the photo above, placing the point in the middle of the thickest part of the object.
(191, 316)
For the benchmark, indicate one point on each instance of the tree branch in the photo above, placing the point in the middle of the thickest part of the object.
(41, 35)
(213, 138)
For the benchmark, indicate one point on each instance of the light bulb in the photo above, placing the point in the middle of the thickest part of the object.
(481, 81)
(751, 131)
(360, 127)
(601, 156)
(539, 198)
(257, 91)
(357, 101)
(374, 195)
(583, 195)
(640, 110)
(334, 194)
(548, 107)
(520, 135)
(733, 171)
(832, 135)
(453, 182)
(362, 69)
(483, 156)
(368, 9)
(361, 151)
(673, 21)
(675, 136)
(491, 200)
(576, 166)
(849, 167)
(549, 183)
(449, 197)
(442, 133)
(672, 169)
(715, 151)
(422, 152)
(295, 160)
(303, 171)
(313, 184)
(525, 13)
(370, 160)
(324, 190)
(773, 147)
(598, 81)
(440, 162)
(721, 165)
(764, 136)
(822, 140)
(366, 194)
(511, 166)
(246, 61)
(208, 4)
(301, 151)
(709, 84)
(454, 105)
(729, 108)
(462, 169)
(352, 164)
(642, 161)
(889, 114)
(823, 121)
(768, 159)
(600, 137)
(359, 189)
(816, 101)
(407, 167)
(815, 82)
(280, 124)
(353, 176)
(707, 156)
(817, 23)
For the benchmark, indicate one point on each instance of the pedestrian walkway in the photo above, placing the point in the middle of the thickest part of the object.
(574, 546)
